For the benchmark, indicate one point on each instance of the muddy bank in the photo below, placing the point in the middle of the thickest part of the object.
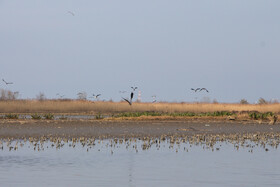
(128, 129)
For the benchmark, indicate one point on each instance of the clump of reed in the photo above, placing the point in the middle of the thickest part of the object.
(36, 116)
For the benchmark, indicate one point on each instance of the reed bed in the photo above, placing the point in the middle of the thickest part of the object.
(89, 107)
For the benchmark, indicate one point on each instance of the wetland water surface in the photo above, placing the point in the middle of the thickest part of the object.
(134, 162)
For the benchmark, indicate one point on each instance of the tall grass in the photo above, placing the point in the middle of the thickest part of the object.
(88, 107)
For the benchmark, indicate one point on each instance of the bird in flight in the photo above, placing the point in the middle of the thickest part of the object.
(195, 90)
(122, 91)
(7, 82)
(129, 102)
(96, 96)
(72, 13)
(134, 88)
(131, 96)
(203, 89)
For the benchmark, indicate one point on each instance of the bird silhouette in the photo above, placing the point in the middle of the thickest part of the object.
(71, 13)
(195, 90)
(95, 96)
(134, 88)
(203, 89)
(131, 96)
(130, 103)
(7, 82)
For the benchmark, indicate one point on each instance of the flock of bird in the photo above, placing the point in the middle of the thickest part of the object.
(131, 95)
(199, 89)
(129, 101)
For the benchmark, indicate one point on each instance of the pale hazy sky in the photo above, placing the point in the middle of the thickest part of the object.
(231, 47)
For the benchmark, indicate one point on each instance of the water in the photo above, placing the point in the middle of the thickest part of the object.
(59, 117)
(132, 163)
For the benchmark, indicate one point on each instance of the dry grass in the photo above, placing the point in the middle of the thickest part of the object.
(88, 107)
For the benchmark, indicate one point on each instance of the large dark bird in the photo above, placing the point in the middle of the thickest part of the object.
(131, 96)
(127, 101)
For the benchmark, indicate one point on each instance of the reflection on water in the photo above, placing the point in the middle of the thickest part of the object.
(134, 162)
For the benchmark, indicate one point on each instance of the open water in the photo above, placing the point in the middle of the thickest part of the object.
(109, 163)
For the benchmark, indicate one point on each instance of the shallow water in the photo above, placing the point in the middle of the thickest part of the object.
(109, 163)
(59, 117)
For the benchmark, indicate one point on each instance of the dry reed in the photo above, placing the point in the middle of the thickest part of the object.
(88, 107)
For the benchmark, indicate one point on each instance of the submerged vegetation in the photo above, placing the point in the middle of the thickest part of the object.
(176, 114)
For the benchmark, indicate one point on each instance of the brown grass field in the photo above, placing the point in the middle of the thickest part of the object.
(88, 107)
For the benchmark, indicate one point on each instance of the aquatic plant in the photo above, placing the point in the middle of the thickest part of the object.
(258, 115)
(36, 116)
(11, 116)
(98, 116)
(174, 114)
(48, 116)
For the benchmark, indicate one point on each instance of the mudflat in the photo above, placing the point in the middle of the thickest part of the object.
(129, 128)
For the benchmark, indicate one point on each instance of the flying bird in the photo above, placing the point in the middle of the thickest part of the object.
(131, 96)
(69, 12)
(122, 91)
(7, 82)
(204, 89)
(129, 102)
(195, 90)
(95, 96)
(134, 88)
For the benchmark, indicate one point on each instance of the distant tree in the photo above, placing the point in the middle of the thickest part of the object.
(206, 100)
(262, 101)
(41, 96)
(244, 101)
(8, 95)
(274, 101)
(82, 96)
(215, 101)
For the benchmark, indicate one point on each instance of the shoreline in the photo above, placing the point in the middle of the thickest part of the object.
(103, 129)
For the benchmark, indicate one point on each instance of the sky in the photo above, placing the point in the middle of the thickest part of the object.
(163, 47)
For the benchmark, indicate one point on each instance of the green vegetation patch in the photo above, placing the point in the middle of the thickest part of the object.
(259, 115)
(11, 116)
(175, 114)
(99, 116)
(36, 116)
(49, 116)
